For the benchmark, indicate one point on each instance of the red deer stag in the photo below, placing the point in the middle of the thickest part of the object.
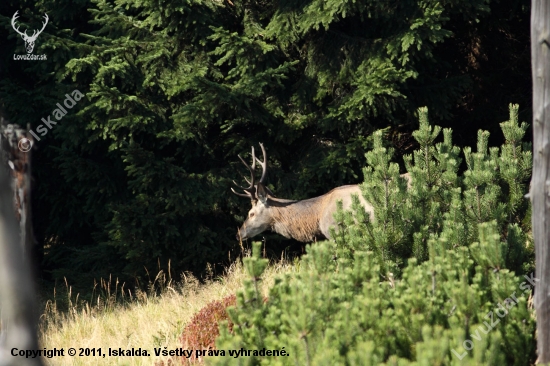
(306, 221)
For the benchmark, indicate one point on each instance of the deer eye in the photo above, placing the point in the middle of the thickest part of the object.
(251, 214)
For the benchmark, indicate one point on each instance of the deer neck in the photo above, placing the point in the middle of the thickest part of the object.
(298, 220)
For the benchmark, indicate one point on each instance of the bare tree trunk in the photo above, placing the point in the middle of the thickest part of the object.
(540, 183)
(17, 295)
(17, 155)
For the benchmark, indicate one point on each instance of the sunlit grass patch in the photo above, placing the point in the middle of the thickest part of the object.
(117, 318)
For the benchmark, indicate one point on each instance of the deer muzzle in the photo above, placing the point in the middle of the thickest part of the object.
(241, 234)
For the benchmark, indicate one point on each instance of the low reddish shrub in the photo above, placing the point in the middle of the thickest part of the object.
(168, 362)
(203, 329)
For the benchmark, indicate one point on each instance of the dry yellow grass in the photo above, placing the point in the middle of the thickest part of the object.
(146, 321)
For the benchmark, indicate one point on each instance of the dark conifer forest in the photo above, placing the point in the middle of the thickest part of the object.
(137, 175)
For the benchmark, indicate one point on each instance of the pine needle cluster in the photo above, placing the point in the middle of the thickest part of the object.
(439, 276)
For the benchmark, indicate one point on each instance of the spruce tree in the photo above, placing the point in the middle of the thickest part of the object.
(138, 174)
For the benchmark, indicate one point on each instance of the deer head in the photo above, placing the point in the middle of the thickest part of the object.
(306, 220)
(29, 40)
(258, 219)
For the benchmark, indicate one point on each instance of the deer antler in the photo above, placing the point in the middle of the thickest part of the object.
(35, 33)
(250, 191)
(43, 26)
(15, 16)
(263, 164)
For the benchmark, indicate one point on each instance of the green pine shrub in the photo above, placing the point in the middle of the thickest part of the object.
(461, 297)
(440, 201)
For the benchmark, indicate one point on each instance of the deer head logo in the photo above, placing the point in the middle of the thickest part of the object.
(29, 40)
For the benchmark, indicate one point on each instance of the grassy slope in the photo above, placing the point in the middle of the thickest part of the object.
(140, 320)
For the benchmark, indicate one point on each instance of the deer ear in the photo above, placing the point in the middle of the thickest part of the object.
(262, 193)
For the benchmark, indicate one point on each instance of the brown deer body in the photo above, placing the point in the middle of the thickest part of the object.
(306, 221)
